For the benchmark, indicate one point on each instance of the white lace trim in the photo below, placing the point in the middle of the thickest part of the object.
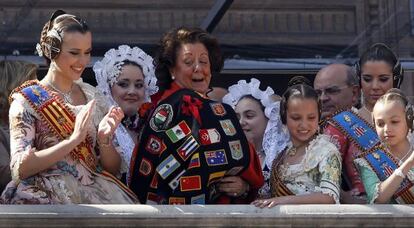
(318, 149)
(108, 69)
(276, 135)
(376, 193)
(126, 145)
(326, 189)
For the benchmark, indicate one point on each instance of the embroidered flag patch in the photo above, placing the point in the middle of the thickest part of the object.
(155, 145)
(176, 200)
(209, 136)
(176, 181)
(187, 148)
(217, 157)
(200, 199)
(161, 118)
(145, 167)
(218, 109)
(228, 127)
(214, 177)
(168, 166)
(236, 149)
(195, 161)
(178, 132)
(190, 183)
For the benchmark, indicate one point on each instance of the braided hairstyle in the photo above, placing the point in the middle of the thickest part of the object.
(299, 88)
(53, 31)
(395, 94)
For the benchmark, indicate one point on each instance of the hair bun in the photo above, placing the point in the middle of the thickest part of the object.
(299, 80)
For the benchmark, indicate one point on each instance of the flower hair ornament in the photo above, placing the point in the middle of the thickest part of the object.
(107, 72)
(276, 136)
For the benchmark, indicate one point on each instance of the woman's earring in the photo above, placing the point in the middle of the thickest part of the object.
(172, 77)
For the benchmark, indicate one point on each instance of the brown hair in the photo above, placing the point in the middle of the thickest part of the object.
(53, 31)
(395, 94)
(13, 74)
(299, 88)
(172, 41)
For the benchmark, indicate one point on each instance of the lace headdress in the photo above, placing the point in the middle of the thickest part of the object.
(107, 72)
(108, 69)
(276, 135)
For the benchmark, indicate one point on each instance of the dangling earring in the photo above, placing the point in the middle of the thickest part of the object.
(173, 77)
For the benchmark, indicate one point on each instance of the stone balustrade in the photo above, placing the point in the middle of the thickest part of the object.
(206, 215)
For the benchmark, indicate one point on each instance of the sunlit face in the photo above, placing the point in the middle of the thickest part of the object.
(128, 92)
(333, 90)
(302, 119)
(252, 119)
(376, 80)
(74, 55)
(390, 122)
(192, 68)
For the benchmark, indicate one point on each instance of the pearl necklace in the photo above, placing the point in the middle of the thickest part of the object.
(67, 97)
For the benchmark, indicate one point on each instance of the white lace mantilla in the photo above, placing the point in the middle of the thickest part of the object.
(276, 135)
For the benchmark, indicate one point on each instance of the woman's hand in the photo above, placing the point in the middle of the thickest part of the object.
(268, 202)
(109, 123)
(83, 119)
(233, 186)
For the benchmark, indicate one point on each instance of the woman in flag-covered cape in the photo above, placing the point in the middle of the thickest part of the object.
(192, 150)
(61, 133)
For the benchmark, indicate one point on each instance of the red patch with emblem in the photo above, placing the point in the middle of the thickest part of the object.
(190, 183)
(218, 109)
(155, 145)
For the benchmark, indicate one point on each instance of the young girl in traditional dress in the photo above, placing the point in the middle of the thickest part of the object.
(308, 170)
(387, 173)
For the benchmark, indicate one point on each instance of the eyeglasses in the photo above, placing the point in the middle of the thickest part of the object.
(331, 91)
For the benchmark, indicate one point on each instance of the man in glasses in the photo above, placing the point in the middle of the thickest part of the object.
(338, 89)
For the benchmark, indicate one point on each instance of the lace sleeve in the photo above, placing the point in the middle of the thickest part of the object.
(22, 134)
(330, 170)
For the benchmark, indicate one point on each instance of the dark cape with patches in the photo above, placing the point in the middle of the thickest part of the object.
(187, 144)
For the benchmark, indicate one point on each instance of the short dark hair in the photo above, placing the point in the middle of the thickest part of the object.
(300, 89)
(381, 52)
(249, 96)
(172, 41)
